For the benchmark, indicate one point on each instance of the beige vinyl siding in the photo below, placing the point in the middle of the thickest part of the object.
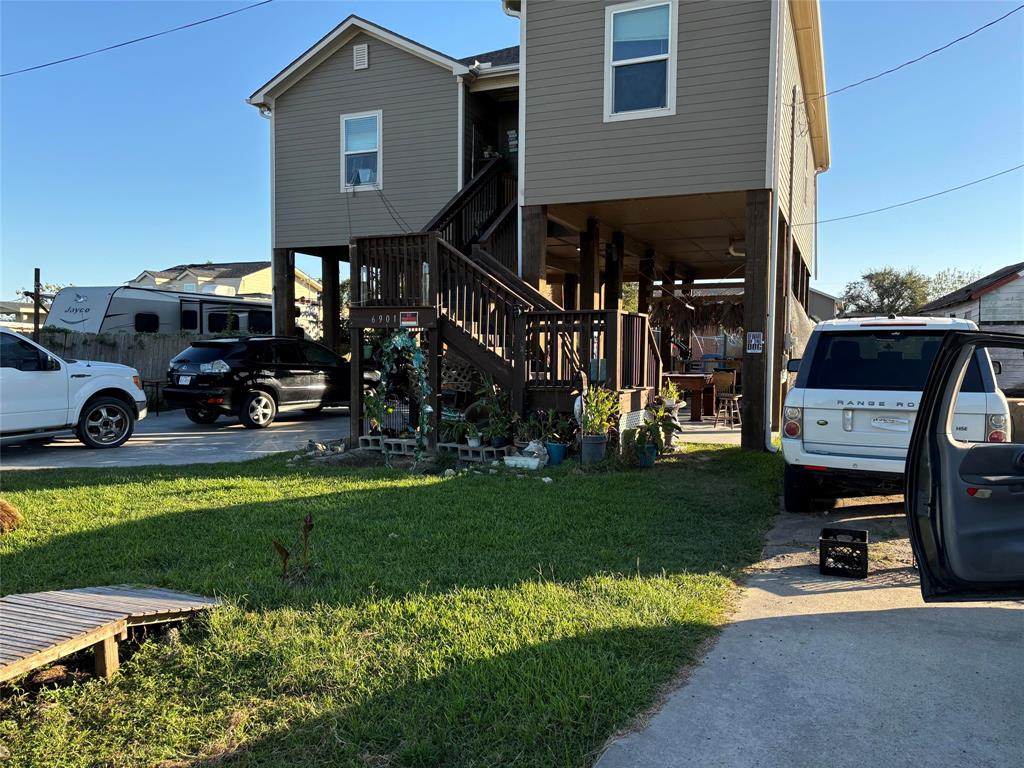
(801, 209)
(419, 146)
(715, 142)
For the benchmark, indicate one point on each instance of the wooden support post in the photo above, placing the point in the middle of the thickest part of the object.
(646, 287)
(355, 429)
(590, 266)
(519, 366)
(435, 349)
(535, 237)
(755, 315)
(330, 302)
(283, 271)
(570, 286)
(668, 289)
(612, 351)
(105, 653)
(613, 258)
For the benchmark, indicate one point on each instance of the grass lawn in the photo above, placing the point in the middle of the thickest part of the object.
(474, 621)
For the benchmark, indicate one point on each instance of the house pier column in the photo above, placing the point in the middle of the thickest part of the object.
(535, 237)
(330, 302)
(646, 287)
(283, 271)
(614, 253)
(590, 266)
(755, 315)
(570, 284)
(668, 292)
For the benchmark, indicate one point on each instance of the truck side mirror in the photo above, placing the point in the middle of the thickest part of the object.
(793, 366)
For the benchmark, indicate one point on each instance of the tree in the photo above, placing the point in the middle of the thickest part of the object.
(948, 280)
(887, 291)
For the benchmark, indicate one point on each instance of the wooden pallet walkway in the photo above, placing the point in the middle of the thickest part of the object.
(40, 627)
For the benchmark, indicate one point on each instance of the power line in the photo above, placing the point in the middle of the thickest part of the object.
(915, 200)
(136, 40)
(919, 58)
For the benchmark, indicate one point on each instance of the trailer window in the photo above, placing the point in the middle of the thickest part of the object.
(259, 321)
(147, 322)
(221, 321)
(189, 320)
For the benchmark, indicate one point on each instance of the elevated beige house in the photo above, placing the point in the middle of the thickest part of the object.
(650, 141)
(233, 278)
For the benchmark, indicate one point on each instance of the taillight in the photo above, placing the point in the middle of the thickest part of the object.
(996, 428)
(793, 418)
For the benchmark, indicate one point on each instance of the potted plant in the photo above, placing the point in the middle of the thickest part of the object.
(669, 393)
(497, 429)
(648, 443)
(666, 423)
(499, 410)
(558, 431)
(600, 406)
(453, 430)
(472, 435)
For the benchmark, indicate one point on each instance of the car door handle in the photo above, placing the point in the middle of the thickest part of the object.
(80, 375)
(993, 479)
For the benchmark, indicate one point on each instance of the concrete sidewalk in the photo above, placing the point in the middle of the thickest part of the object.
(818, 671)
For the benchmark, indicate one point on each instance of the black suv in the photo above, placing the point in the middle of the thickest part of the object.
(254, 378)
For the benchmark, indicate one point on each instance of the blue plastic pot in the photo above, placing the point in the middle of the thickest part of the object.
(499, 442)
(646, 455)
(556, 452)
(593, 448)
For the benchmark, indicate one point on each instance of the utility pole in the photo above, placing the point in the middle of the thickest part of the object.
(36, 306)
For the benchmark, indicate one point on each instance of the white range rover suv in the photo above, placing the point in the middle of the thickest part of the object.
(42, 395)
(847, 423)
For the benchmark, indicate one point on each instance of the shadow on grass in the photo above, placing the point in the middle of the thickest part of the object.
(384, 533)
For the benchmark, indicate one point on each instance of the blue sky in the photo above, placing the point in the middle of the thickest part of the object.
(148, 156)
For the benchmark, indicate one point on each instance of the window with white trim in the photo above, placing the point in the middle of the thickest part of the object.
(361, 151)
(640, 60)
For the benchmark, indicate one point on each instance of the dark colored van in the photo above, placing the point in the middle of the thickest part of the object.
(254, 378)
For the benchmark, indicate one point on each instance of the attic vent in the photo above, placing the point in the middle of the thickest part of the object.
(360, 57)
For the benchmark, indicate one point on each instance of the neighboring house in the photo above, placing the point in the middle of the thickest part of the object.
(650, 141)
(822, 306)
(996, 303)
(232, 278)
(19, 315)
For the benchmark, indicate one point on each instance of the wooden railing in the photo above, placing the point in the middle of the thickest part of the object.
(613, 348)
(500, 239)
(395, 270)
(464, 218)
(478, 303)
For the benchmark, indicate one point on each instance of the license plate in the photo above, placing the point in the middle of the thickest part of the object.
(184, 379)
(891, 424)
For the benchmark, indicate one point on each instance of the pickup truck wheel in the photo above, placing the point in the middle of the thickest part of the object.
(106, 422)
(796, 490)
(258, 410)
(199, 416)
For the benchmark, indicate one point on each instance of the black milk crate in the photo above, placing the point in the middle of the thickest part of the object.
(843, 552)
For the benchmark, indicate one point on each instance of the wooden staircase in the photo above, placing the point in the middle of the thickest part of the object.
(459, 277)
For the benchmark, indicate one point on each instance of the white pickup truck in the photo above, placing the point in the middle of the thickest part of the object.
(847, 422)
(42, 395)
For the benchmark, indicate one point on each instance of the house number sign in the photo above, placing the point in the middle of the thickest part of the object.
(387, 317)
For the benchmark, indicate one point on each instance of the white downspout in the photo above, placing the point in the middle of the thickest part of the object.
(773, 247)
(521, 128)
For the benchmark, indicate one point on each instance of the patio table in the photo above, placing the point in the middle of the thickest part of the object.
(694, 383)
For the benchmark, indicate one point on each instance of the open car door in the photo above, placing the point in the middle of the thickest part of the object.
(965, 500)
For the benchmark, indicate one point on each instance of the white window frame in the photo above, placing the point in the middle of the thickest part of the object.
(610, 116)
(379, 184)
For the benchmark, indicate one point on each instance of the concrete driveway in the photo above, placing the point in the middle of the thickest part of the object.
(819, 671)
(170, 438)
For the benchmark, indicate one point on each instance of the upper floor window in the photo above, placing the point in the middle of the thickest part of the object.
(188, 287)
(361, 151)
(640, 60)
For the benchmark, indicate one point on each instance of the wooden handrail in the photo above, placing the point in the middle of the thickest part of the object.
(473, 207)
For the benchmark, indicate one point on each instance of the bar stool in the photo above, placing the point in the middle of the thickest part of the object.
(728, 407)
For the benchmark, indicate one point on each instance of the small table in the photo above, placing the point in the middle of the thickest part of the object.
(694, 384)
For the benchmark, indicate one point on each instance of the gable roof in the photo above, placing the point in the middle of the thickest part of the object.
(499, 58)
(224, 269)
(976, 289)
(329, 44)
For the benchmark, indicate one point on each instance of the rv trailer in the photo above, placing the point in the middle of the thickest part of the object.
(119, 309)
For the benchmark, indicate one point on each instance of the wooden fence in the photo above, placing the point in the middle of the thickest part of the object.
(148, 353)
